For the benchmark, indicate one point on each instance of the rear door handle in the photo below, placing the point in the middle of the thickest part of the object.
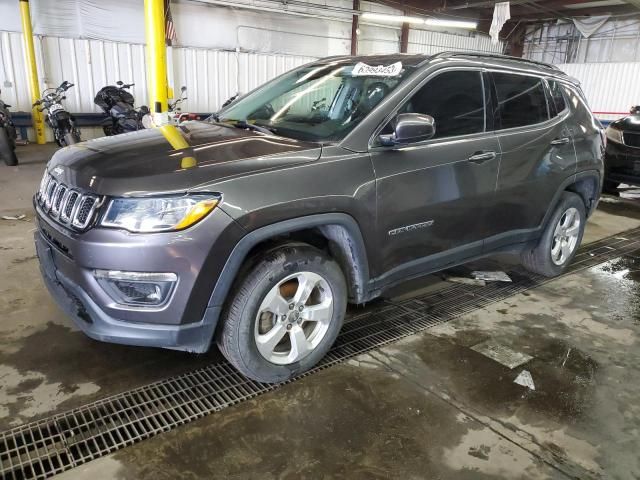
(481, 157)
(560, 141)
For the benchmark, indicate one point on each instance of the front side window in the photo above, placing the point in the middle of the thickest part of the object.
(319, 102)
(521, 100)
(558, 103)
(454, 99)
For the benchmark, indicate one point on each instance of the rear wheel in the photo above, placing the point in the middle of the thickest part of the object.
(285, 314)
(560, 239)
(7, 149)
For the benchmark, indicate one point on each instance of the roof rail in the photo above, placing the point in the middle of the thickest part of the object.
(492, 55)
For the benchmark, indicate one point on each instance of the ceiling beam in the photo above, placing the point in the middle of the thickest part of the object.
(568, 14)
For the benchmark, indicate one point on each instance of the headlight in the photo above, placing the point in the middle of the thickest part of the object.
(146, 215)
(614, 134)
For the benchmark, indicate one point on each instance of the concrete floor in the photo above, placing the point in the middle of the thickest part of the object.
(427, 407)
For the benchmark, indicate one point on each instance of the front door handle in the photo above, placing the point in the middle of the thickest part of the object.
(481, 157)
(560, 141)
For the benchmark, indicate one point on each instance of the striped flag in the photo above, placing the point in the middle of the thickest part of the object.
(169, 27)
(501, 14)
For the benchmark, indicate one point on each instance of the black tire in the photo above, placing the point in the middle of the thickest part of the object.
(236, 334)
(610, 187)
(537, 258)
(70, 138)
(7, 149)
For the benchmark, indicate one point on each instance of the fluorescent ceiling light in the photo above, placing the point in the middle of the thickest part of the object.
(598, 3)
(434, 22)
(438, 22)
(391, 18)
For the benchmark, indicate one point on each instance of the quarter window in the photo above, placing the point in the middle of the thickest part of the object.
(454, 99)
(558, 103)
(521, 100)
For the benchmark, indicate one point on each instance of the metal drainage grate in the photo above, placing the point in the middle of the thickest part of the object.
(43, 448)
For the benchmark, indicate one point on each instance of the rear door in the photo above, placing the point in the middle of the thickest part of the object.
(537, 155)
(431, 195)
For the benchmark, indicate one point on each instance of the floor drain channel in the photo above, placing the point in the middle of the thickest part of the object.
(43, 448)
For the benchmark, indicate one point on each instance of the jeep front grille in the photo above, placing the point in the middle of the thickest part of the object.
(65, 204)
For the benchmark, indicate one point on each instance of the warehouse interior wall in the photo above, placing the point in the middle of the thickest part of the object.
(220, 50)
(607, 63)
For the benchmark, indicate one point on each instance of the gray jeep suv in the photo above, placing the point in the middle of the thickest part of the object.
(327, 185)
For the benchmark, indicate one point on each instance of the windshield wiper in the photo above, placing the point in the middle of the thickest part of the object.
(251, 126)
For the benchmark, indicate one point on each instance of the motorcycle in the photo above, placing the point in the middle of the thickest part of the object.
(176, 115)
(61, 122)
(117, 102)
(7, 136)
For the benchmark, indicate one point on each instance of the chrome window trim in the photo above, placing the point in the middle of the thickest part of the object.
(479, 67)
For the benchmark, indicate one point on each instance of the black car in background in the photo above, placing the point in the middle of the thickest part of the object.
(622, 158)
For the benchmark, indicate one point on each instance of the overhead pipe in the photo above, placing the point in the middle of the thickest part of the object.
(32, 71)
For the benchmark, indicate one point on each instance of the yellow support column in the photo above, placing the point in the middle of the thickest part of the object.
(32, 70)
(156, 59)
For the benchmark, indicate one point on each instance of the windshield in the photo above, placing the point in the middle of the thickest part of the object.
(320, 102)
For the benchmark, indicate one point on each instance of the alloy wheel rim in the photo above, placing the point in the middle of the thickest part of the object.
(293, 318)
(565, 236)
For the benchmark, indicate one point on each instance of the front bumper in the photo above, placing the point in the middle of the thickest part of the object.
(185, 322)
(622, 163)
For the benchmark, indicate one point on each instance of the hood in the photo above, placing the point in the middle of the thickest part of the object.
(630, 123)
(174, 159)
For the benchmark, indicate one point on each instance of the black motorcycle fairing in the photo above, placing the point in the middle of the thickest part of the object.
(122, 109)
(109, 96)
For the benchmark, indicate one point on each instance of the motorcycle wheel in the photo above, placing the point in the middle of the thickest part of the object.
(69, 138)
(7, 149)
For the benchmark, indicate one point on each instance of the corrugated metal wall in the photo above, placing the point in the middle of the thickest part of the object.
(611, 88)
(424, 41)
(211, 76)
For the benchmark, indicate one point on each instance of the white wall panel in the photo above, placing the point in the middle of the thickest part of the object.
(609, 87)
(430, 42)
(211, 76)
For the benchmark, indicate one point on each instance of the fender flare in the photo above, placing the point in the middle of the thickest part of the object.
(357, 257)
(576, 177)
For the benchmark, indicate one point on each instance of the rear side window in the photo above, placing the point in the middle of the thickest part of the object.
(454, 99)
(558, 103)
(521, 100)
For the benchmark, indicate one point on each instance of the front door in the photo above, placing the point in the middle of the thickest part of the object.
(431, 195)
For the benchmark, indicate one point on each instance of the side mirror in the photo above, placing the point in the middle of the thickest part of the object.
(410, 128)
(183, 88)
(119, 82)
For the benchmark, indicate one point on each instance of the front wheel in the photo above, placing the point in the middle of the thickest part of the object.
(71, 138)
(7, 149)
(560, 240)
(284, 315)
